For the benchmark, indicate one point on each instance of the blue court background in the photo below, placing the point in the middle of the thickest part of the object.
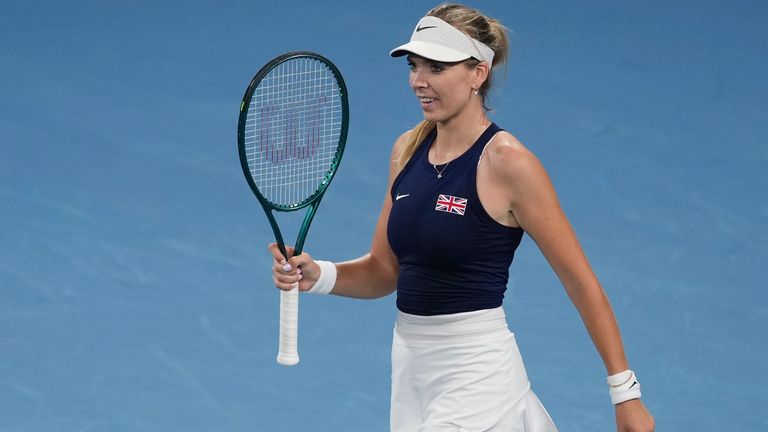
(134, 280)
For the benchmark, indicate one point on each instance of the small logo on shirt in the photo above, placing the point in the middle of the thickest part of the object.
(451, 204)
(420, 28)
(401, 196)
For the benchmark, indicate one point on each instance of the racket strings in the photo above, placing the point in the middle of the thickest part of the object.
(292, 130)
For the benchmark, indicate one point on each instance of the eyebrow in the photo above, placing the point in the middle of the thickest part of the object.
(411, 57)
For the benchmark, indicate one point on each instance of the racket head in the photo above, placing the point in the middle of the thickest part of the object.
(292, 130)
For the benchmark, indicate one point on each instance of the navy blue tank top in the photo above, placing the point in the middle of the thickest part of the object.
(452, 255)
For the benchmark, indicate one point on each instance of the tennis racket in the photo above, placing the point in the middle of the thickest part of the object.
(291, 135)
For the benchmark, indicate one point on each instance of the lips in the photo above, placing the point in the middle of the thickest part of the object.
(426, 102)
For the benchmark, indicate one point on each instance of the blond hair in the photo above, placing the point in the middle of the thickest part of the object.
(488, 31)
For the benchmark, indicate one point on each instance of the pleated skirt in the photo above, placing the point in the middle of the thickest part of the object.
(461, 373)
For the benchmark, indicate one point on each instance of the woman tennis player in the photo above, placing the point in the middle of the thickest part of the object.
(461, 193)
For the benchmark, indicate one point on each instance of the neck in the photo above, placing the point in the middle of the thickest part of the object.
(457, 134)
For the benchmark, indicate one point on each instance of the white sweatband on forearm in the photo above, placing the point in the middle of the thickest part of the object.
(623, 386)
(327, 279)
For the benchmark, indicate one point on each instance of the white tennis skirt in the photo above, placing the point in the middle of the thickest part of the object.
(461, 373)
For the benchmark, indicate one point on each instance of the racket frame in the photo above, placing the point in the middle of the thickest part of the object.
(313, 201)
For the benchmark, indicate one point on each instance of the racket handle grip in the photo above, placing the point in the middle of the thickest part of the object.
(288, 353)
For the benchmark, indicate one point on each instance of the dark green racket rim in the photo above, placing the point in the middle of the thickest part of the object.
(344, 129)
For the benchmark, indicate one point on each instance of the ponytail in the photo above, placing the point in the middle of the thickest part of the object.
(418, 133)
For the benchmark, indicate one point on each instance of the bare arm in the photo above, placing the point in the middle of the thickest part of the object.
(370, 276)
(534, 206)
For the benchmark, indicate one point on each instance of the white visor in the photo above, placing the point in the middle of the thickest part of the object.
(435, 39)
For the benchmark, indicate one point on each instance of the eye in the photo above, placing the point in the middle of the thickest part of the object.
(436, 67)
(411, 65)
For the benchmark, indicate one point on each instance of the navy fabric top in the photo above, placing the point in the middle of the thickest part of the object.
(453, 256)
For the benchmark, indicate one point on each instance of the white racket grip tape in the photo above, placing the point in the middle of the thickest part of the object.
(288, 353)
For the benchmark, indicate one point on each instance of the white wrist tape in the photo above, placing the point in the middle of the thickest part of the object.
(327, 279)
(623, 386)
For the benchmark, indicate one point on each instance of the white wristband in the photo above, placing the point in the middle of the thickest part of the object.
(327, 279)
(623, 386)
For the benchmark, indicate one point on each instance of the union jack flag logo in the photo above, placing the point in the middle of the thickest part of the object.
(451, 204)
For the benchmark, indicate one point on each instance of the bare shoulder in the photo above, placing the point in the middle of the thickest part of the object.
(509, 160)
(517, 171)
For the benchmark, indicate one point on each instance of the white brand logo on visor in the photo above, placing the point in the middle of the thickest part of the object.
(443, 42)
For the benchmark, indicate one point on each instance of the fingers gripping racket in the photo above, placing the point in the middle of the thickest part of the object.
(291, 135)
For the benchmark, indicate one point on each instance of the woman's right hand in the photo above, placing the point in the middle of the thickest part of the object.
(301, 269)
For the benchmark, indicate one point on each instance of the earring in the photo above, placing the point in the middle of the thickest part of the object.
(475, 91)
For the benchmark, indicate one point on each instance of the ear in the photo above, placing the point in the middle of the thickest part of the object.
(481, 72)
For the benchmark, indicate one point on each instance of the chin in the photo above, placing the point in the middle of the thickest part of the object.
(433, 117)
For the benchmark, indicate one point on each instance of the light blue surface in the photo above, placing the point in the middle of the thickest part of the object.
(134, 279)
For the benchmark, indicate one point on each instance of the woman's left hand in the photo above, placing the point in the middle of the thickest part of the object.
(632, 416)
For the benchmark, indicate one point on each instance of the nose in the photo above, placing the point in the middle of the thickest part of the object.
(418, 79)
